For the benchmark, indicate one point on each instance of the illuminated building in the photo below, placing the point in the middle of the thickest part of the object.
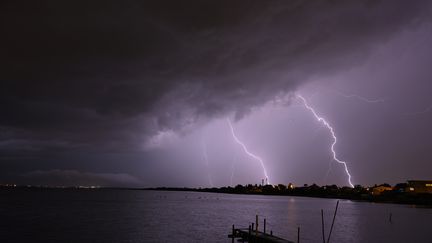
(378, 190)
(290, 186)
(419, 186)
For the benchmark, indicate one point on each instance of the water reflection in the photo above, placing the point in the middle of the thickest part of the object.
(152, 216)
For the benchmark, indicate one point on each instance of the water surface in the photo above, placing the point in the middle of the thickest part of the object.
(157, 216)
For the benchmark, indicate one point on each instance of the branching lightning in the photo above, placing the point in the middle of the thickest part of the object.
(328, 171)
(247, 151)
(356, 96)
(424, 111)
(330, 128)
(205, 156)
(233, 168)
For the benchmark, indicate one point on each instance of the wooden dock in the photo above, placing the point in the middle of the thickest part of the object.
(249, 235)
(252, 234)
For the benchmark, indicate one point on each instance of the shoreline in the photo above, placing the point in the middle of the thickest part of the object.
(401, 198)
(424, 199)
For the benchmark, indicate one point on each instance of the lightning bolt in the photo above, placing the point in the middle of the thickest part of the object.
(233, 168)
(247, 151)
(330, 128)
(349, 96)
(424, 111)
(205, 156)
(328, 171)
(368, 100)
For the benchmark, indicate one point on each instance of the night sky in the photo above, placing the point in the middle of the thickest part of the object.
(141, 93)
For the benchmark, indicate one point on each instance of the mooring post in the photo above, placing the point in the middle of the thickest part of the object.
(256, 228)
(298, 234)
(322, 224)
(264, 226)
(233, 233)
(249, 233)
(271, 232)
(334, 217)
(253, 227)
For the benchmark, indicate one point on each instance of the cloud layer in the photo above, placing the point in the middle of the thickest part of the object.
(87, 85)
(98, 73)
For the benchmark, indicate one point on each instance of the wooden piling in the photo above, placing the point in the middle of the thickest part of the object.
(233, 233)
(256, 228)
(298, 234)
(334, 217)
(264, 226)
(322, 225)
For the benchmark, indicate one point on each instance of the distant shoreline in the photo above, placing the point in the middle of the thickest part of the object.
(394, 198)
(424, 199)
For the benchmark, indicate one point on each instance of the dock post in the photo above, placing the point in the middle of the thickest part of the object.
(233, 234)
(253, 227)
(298, 234)
(322, 225)
(249, 233)
(264, 226)
(271, 232)
(256, 228)
(334, 217)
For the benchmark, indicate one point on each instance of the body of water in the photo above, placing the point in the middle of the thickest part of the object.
(158, 216)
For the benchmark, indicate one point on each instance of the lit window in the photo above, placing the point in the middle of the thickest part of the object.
(428, 184)
(411, 188)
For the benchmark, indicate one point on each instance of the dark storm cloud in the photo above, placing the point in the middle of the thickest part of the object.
(98, 73)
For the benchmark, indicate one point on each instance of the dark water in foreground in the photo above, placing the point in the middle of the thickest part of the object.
(152, 216)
